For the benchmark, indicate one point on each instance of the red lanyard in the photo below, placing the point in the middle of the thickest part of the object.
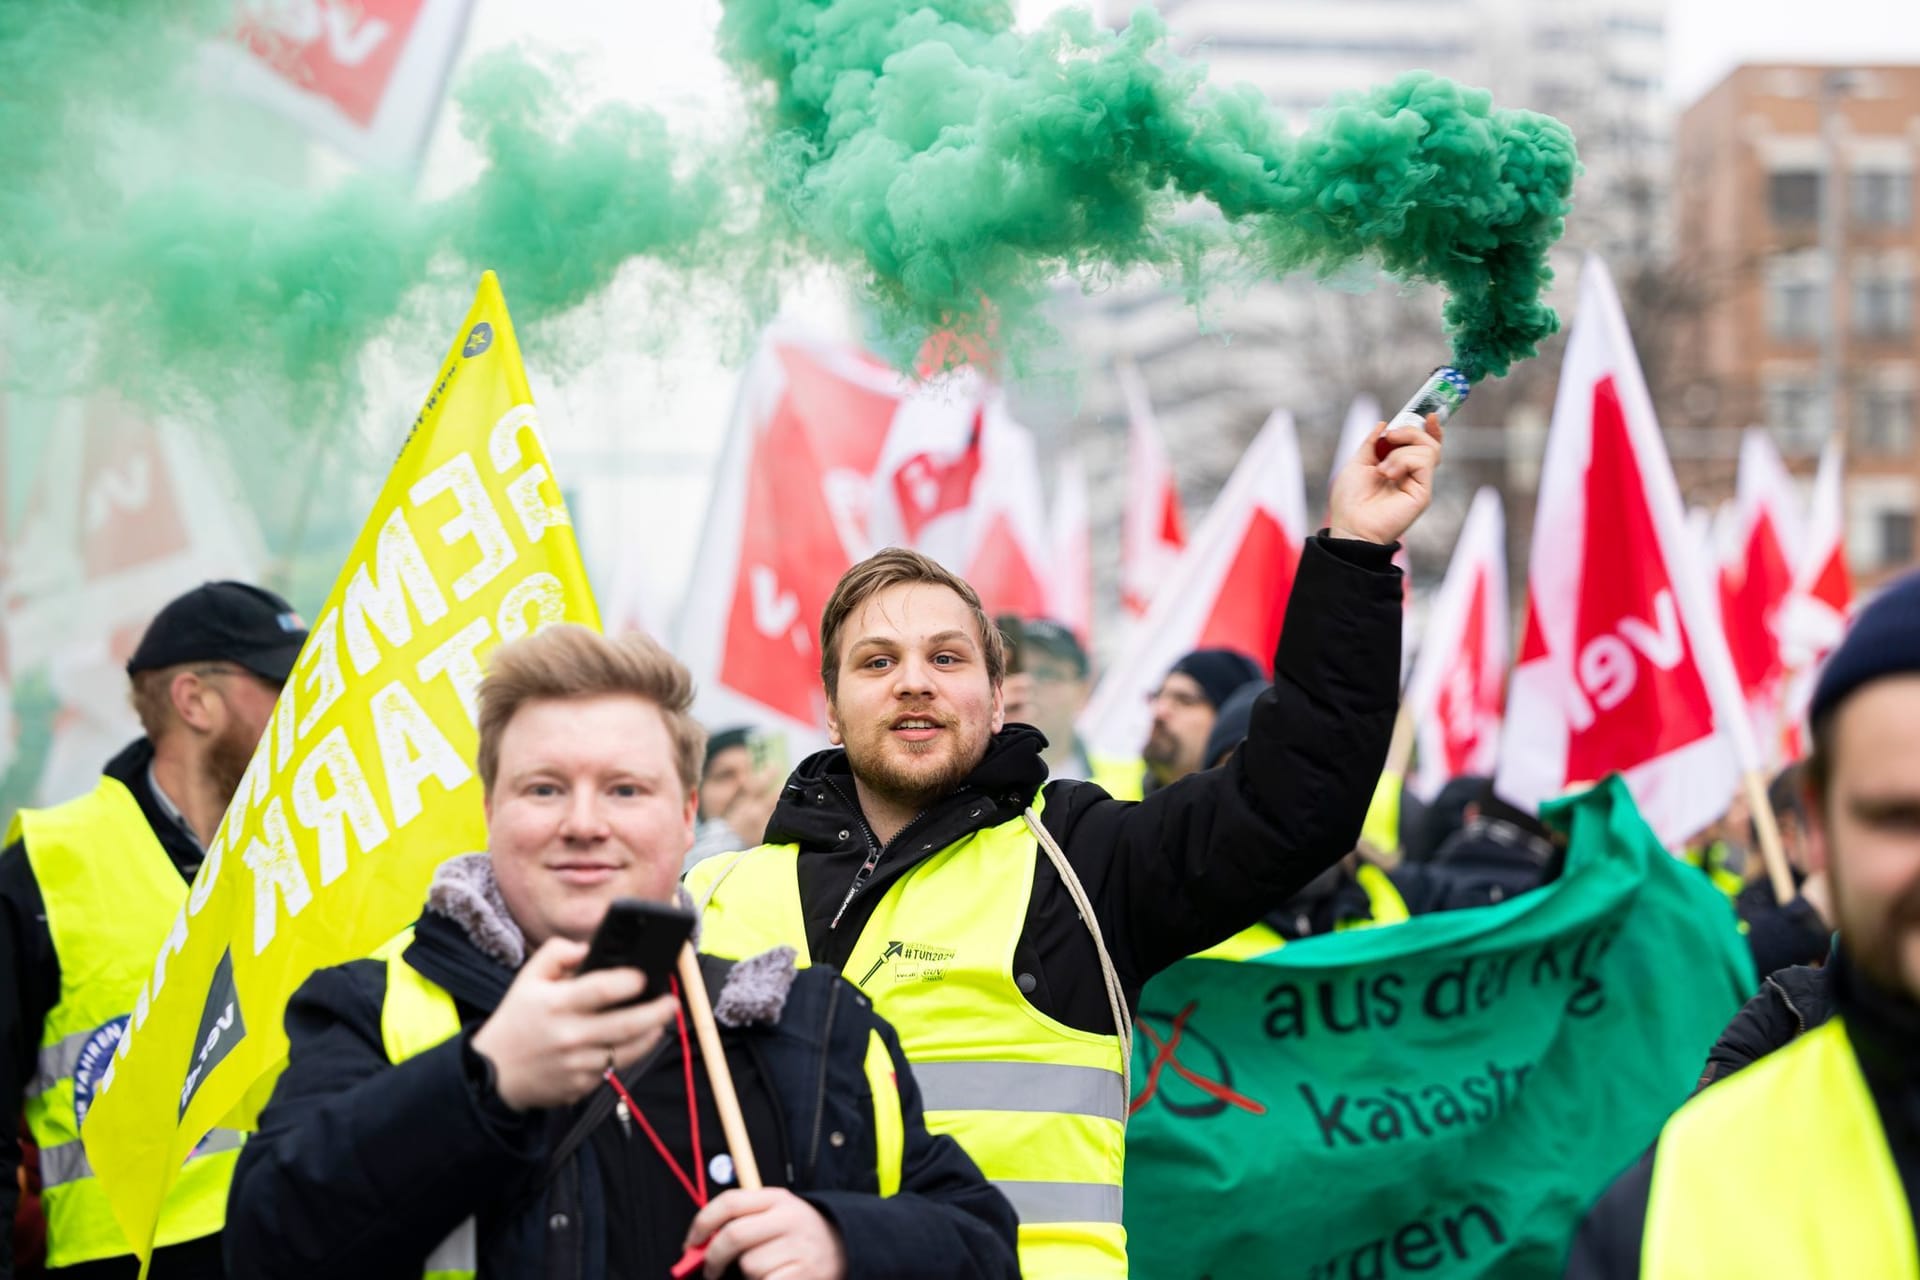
(696, 1189)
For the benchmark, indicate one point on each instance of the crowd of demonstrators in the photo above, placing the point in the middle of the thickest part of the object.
(874, 858)
(1826, 1117)
(469, 1099)
(88, 890)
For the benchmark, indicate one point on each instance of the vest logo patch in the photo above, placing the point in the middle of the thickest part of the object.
(94, 1058)
(912, 962)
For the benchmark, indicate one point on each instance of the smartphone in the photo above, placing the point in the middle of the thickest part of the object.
(638, 934)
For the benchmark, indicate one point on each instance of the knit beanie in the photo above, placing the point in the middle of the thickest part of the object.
(1884, 640)
(1218, 672)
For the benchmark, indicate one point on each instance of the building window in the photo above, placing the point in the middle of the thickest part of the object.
(1796, 300)
(1883, 421)
(1793, 195)
(1881, 198)
(1895, 537)
(1796, 415)
(1882, 301)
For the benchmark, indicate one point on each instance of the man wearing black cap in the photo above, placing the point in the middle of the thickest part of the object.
(1807, 1163)
(88, 890)
(1185, 707)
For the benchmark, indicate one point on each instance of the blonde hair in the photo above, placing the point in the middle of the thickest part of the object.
(571, 661)
(897, 566)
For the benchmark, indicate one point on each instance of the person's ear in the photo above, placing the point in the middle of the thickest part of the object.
(833, 725)
(999, 707)
(195, 704)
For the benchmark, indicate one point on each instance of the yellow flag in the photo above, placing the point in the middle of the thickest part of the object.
(363, 782)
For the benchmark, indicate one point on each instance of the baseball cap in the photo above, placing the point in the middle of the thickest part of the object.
(1054, 640)
(224, 622)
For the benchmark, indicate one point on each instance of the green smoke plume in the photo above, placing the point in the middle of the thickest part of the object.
(959, 166)
(190, 272)
(955, 165)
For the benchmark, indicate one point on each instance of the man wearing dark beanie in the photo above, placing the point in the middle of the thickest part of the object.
(1833, 1119)
(1185, 707)
(88, 890)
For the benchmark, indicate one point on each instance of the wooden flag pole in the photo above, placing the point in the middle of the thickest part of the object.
(725, 1099)
(1400, 748)
(1768, 825)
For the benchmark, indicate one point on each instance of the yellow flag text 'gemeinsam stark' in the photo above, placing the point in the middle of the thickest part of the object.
(363, 782)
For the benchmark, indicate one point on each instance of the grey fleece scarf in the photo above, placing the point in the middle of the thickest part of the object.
(465, 891)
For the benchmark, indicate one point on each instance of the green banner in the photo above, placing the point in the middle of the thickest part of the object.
(1442, 1098)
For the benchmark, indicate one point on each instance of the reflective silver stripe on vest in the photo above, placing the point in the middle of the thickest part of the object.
(458, 1252)
(57, 1062)
(1040, 1202)
(1021, 1086)
(68, 1161)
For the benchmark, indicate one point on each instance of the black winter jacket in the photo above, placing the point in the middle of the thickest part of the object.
(360, 1168)
(1791, 1003)
(1187, 867)
(1885, 1031)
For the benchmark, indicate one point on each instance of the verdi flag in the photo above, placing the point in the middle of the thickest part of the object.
(1444, 1097)
(363, 781)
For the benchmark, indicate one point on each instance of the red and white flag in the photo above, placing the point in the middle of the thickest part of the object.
(123, 515)
(1457, 692)
(1756, 579)
(788, 515)
(1815, 615)
(1228, 590)
(1007, 537)
(1621, 668)
(1152, 530)
(365, 75)
(1070, 597)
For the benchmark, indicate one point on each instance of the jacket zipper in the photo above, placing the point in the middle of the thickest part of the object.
(875, 851)
(820, 1099)
(1787, 1000)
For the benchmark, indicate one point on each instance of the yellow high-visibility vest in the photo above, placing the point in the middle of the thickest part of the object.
(1040, 1106)
(1263, 939)
(1827, 1205)
(1122, 777)
(111, 895)
(418, 1014)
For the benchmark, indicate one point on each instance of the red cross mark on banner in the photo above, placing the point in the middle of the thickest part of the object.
(1166, 1054)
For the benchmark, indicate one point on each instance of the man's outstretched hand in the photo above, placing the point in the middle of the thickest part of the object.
(1377, 499)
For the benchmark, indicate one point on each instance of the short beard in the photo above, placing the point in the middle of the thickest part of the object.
(226, 762)
(1879, 958)
(916, 791)
(1161, 749)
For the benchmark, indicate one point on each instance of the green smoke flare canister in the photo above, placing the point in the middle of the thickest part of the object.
(1441, 395)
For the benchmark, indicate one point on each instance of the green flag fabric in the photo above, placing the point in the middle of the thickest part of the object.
(1442, 1098)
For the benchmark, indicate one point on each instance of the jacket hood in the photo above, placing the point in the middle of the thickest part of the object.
(1010, 772)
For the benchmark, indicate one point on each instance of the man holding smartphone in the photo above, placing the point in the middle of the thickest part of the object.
(1005, 923)
(474, 1100)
